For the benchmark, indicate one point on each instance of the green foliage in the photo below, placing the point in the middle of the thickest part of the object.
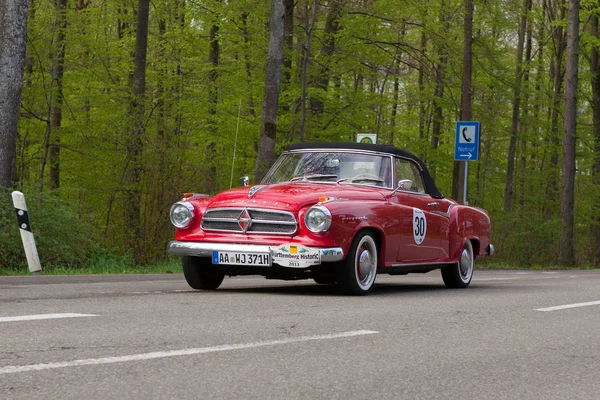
(63, 238)
(380, 77)
(526, 239)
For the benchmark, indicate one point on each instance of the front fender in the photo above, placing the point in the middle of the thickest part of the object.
(199, 202)
(348, 218)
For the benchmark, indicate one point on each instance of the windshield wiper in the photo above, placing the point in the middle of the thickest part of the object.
(314, 177)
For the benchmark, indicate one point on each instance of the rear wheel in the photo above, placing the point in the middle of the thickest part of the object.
(200, 273)
(460, 275)
(356, 274)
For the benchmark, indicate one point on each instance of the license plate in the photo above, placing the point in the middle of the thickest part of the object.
(241, 258)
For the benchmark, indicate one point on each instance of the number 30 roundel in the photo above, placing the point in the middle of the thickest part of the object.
(419, 225)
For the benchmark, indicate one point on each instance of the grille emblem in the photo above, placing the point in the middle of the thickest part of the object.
(244, 220)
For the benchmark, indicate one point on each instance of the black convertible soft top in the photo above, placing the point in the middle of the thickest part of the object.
(430, 187)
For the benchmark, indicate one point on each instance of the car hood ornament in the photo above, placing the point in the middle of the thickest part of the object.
(255, 189)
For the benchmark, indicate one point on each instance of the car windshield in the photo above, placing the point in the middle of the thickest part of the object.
(342, 167)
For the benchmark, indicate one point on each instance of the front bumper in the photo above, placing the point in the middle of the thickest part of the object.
(204, 249)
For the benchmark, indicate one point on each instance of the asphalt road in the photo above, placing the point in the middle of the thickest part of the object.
(510, 335)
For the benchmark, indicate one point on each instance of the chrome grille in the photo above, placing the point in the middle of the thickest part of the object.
(249, 220)
(224, 213)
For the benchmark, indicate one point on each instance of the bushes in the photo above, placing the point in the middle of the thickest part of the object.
(67, 241)
(63, 238)
(526, 239)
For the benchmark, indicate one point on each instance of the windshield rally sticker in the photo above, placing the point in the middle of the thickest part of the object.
(295, 255)
(419, 225)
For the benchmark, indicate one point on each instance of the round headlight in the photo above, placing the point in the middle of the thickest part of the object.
(317, 219)
(182, 214)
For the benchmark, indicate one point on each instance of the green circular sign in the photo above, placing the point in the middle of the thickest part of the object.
(366, 140)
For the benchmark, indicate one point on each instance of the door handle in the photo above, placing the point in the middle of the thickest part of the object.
(433, 204)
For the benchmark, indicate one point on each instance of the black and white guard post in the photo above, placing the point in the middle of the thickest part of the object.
(466, 148)
(33, 259)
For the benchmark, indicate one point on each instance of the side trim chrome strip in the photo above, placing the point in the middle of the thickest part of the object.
(423, 263)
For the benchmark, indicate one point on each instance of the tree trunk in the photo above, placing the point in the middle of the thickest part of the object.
(422, 102)
(332, 26)
(80, 7)
(13, 33)
(553, 140)
(394, 110)
(268, 125)
(567, 198)
(134, 142)
(248, 64)
(288, 29)
(210, 183)
(516, 109)
(595, 69)
(438, 91)
(523, 127)
(438, 95)
(29, 56)
(538, 100)
(56, 100)
(458, 176)
(308, 27)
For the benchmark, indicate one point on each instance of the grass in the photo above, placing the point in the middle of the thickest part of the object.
(504, 265)
(103, 267)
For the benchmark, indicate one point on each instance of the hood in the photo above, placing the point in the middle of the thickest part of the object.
(292, 196)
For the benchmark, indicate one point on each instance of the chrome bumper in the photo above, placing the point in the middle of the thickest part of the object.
(491, 250)
(203, 249)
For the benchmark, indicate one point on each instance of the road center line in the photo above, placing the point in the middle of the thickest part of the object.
(507, 278)
(44, 316)
(175, 353)
(566, 306)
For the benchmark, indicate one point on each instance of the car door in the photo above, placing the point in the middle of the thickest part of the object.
(425, 221)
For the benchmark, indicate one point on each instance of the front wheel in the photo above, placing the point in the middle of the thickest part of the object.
(200, 273)
(460, 275)
(356, 274)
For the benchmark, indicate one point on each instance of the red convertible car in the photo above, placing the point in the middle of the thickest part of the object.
(338, 213)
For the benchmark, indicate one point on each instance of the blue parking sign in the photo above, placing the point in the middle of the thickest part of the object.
(467, 141)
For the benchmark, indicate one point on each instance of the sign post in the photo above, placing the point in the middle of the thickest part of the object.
(31, 253)
(466, 147)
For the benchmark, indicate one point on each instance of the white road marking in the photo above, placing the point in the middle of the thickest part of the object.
(566, 306)
(512, 278)
(174, 353)
(508, 278)
(166, 291)
(44, 316)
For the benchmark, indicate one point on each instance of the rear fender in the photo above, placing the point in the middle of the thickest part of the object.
(468, 223)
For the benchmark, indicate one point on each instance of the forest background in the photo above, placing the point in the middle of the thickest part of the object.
(113, 129)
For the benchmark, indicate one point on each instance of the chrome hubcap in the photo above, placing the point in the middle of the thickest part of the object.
(466, 265)
(366, 262)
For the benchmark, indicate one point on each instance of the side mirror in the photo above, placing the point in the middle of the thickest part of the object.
(405, 184)
(245, 181)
